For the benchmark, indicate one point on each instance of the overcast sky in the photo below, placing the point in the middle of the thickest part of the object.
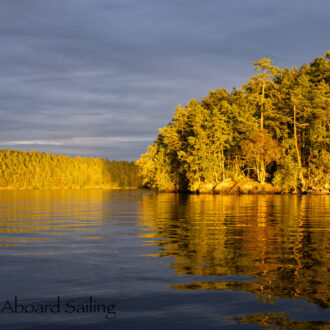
(99, 77)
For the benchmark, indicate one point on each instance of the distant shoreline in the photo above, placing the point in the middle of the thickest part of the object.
(39, 170)
(70, 188)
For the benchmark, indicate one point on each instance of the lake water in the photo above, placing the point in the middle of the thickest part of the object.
(164, 260)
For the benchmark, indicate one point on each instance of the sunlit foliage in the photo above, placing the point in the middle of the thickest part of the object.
(21, 169)
(275, 129)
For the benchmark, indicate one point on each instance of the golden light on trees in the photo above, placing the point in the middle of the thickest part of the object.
(275, 129)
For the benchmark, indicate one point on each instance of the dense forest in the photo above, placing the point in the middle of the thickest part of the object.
(21, 169)
(272, 134)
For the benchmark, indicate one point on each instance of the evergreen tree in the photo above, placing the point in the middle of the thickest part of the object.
(276, 128)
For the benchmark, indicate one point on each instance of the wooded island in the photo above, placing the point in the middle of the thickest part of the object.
(21, 169)
(272, 135)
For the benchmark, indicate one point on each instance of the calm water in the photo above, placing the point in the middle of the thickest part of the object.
(165, 260)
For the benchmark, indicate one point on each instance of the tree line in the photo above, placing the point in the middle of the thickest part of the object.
(275, 129)
(21, 169)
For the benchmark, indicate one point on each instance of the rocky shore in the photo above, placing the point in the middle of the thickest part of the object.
(248, 186)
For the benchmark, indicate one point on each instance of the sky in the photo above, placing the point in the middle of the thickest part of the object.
(99, 77)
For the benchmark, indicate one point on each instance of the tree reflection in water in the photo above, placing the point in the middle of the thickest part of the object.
(279, 241)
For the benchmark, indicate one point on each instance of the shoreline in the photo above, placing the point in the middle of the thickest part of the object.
(70, 188)
(240, 188)
(250, 187)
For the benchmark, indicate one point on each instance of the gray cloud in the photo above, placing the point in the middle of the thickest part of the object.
(99, 77)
